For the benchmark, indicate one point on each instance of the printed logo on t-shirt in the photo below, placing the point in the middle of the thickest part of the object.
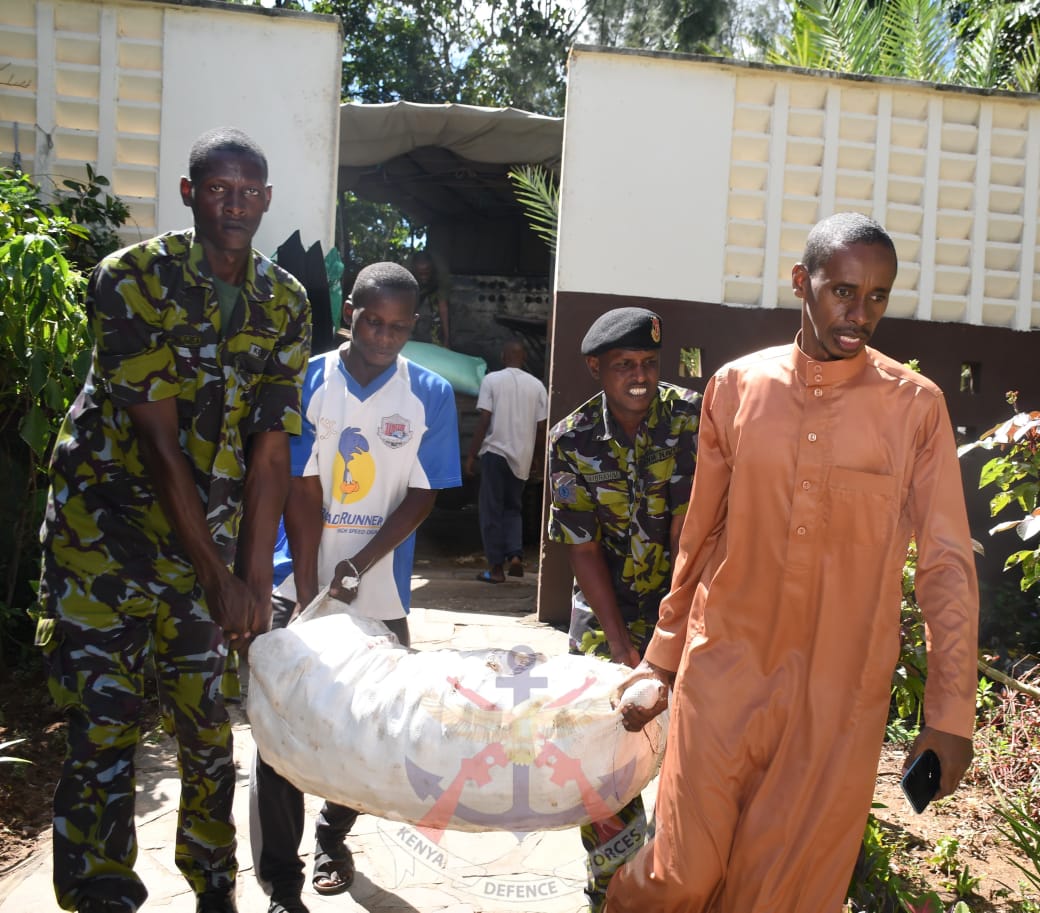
(353, 470)
(395, 431)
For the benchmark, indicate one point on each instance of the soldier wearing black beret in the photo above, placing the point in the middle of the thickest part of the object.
(623, 328)
(620, 469)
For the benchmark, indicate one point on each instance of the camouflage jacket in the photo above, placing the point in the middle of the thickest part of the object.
(155, 320)
(624, 496)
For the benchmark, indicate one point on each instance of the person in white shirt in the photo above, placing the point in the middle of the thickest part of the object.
(380, 437)
(508, 439)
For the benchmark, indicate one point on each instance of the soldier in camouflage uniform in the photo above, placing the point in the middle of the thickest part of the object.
(176, 449)
(621, 469)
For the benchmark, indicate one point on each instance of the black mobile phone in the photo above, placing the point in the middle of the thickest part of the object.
(921, 782)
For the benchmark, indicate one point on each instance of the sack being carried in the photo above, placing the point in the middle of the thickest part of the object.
(474, 741)
(463, 372)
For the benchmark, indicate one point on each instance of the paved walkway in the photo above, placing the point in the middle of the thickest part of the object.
(398, 869)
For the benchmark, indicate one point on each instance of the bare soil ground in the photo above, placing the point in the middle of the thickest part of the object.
(967, 816)
(26, 789)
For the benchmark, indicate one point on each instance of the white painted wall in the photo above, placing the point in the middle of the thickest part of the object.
(127, 85)
(277, 79)
(698, 180)
(635, 216)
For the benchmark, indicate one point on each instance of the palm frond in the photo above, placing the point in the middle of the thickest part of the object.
(918, 42)
(1025, 72)
(538, 192)
(831, 35)
(979, 47)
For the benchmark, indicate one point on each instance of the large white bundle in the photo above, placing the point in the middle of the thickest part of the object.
(476, 740)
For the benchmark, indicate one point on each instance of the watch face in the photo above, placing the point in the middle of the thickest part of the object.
(350, 583)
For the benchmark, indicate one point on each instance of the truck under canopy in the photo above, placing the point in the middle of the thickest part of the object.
(442, 162)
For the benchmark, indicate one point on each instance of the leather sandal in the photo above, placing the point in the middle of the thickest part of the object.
(333, 868)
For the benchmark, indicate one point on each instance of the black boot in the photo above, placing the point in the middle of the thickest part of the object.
(216, 901)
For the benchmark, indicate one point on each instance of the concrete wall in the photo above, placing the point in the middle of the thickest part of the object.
(689, 185)
(127, 85)
(697, 179)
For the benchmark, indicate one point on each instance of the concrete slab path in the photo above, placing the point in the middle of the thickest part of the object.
(398, 868)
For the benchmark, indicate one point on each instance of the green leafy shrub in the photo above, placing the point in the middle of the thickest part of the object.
(911, 670)
(1015, 471)
(877, 886)
(87, 204)
(44, 355)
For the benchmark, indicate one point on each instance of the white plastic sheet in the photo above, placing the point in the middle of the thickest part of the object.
(473, 741)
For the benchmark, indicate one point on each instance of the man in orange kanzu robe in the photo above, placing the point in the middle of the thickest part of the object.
(816, 462)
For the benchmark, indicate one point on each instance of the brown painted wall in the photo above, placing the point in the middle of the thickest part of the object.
(1005, 360)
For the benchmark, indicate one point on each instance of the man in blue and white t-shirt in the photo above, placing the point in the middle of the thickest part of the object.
(380, 436)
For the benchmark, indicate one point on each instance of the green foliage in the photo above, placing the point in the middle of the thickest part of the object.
(945, 858)
(752, 26)
(985, 45)
(82, 204)
(480, 52)
(44, 349)
(1015, 472)
(371, 232)
(538, 191)
(911, 670)
(514, 52)
(1007, 745)
(1021, 828)
(985, 699)
(1007, 759)
(658, 25)
(963, 884)
(876, 886)
(44, 355)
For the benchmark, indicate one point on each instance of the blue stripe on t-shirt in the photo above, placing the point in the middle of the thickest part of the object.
(438, 452)
(439, 447)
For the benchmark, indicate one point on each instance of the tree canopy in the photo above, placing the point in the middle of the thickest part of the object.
(514, 52)
(992, 46)
(502, 52)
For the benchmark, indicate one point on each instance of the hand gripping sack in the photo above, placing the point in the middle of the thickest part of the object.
(474, 741)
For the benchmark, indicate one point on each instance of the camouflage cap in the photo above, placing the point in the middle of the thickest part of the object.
(623, 328)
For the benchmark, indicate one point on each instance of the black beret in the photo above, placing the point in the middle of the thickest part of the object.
(623, 328)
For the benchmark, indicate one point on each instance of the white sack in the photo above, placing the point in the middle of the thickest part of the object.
(474, 741)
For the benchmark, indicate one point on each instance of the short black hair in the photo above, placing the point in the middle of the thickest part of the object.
(841, 230)
(377, 278)
(222, 139)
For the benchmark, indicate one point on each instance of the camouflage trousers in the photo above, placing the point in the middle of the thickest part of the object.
(609, 844)
(97, 631)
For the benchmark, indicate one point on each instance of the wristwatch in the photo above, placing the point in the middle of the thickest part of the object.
(352, 580)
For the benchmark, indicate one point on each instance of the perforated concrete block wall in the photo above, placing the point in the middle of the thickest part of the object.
(125, 86)
(696, 179)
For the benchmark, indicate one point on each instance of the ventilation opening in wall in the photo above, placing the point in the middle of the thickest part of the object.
(970, 377)
(690, 362)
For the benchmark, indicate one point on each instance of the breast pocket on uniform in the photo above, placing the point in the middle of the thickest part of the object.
(863, 507)
(251, 361)
(189, 358)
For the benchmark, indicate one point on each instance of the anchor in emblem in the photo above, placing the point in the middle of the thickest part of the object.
(525, 749)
